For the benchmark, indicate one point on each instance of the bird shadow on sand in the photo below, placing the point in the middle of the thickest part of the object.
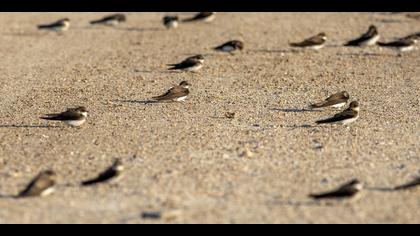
(381, 189)
(23, 34)
(393, 21)
(294, 110)
(2, 196)
(366, 54)
(273, 51)
(30, 126)
(135, 29)
(305, 126)
(308, 203)
(142, 102)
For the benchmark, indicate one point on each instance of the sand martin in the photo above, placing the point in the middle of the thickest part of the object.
(176, 93)
(111, 20)
(202, 16)
(402, 45)
(170, 22)
(369, 38)
(414, 35)
(346, 117)
(73, 116)
(336, 100)
(58, 26)
(112, 172)
(347, 190)
(230, 46)
(409, 185)
(42, 185)
(315, 42)
(193, 63)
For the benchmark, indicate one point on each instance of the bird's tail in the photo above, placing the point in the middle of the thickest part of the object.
(295, 44)
(94, 22)
(43, 26)
(382, 44)
(317, 105)
(188, 20)
(48, 118)
(350, 43)
(322, 121)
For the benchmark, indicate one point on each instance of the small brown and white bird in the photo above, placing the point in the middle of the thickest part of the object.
(72, 117)
(315, 42)
(412, 184)
(402, 45)
(111, 173)
(369, 38)
(111, 20)
(58, 26)
(202, 16)
(336, 100)
(42, 185)
(170, 22)
(347, 190)
(175, 94)
(193, 64)
(348, 116)
(230, 46)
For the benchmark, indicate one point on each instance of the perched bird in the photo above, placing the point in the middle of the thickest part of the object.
(402, 45)
(347, 190)
(58, 26)
(170, 21)
(112, 172)
(41, 185)
(230, 46)
(202, 16)
(336, 100)
(315, 42)
(111, 20)
(193, 63)
(409, 185)
(346, 117)
(176, 93)
(73, 116)
(369, 38)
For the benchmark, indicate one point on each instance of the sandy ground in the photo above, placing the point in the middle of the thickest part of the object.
(185, 159)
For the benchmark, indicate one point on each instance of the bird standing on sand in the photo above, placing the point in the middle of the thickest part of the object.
(72, 117)
(202, 16)
(176, 93)
(42, 185)
(369, 38)
(347, 190)
(230, 46)
(111, 173)
(193, 64)
(315, 42)
(58, 26)
(336, 100)
(111, 20)
(348, 116)
(401, 45)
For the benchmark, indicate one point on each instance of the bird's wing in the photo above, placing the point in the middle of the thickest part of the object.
(347, 114)
(173, 93)
(185, 64)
